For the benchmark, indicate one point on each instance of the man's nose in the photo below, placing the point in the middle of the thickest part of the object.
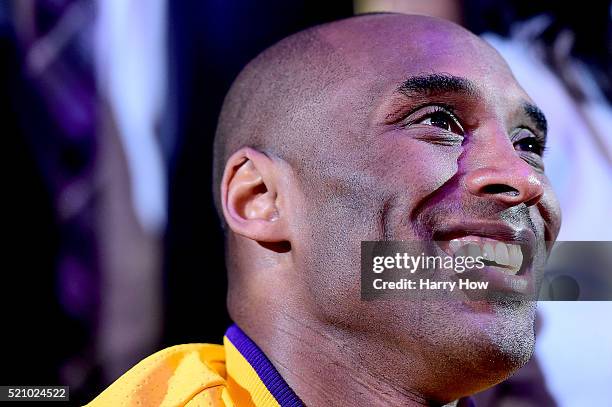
(507, 180)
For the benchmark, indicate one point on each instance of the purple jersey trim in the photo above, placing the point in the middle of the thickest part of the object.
(270, 377)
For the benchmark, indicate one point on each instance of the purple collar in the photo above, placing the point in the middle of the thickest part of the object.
(270, 377)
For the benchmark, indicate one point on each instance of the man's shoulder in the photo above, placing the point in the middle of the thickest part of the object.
(172, 376)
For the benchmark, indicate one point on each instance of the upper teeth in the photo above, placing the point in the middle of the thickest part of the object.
(508, 255)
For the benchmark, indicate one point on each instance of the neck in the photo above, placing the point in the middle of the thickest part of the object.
(327, 366)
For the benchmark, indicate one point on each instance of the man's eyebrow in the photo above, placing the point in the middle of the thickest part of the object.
(536, 115)
(436, 83)
(445, 83)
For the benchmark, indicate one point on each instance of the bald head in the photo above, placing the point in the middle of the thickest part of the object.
(273, 98)
(281, 95)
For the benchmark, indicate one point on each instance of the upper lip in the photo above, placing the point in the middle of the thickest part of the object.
(494, 230)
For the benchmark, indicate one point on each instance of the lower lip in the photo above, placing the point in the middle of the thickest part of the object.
(501, 285)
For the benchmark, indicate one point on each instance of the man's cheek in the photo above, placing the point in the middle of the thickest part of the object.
(423, 168)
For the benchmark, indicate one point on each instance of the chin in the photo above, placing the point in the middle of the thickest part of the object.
(488, 342)
(502, 341)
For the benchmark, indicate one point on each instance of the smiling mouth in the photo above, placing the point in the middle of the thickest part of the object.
(506, 257)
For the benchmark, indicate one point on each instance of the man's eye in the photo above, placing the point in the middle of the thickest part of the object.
(443, 120)
(530, 144)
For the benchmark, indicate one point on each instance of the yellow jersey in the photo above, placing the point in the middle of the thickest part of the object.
(236, 373)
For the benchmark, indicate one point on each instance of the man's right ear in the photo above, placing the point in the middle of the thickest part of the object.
(250, 197)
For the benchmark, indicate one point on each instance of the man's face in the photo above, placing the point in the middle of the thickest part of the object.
(426, 137)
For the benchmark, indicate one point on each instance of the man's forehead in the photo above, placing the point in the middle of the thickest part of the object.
(399, 46)
(390, 55)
